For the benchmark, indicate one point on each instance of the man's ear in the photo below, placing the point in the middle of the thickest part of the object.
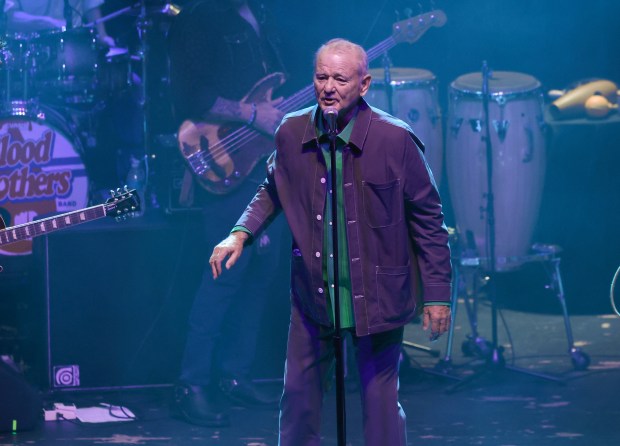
(365, 84)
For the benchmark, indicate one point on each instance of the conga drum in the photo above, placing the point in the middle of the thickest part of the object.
(411, 95)
(518, 164)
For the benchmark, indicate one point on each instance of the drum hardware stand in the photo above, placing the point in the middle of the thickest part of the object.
(68, 13)
(389, 90)
(495, 359)
(387, 81)
(389, 93)
(143, 25)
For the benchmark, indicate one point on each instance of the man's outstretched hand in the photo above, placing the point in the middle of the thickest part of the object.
(231, 247)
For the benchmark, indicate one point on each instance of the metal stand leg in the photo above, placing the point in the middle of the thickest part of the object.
(580, 360)
(494, 357)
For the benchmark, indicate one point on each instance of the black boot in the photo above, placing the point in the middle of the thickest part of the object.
(199, 405)
(244, 392)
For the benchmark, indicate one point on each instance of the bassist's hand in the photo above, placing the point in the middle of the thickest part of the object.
(268, 117)
(231, 247)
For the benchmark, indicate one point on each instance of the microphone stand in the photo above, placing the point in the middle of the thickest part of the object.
(337, 337)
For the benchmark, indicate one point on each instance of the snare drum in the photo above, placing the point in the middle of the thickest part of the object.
(41, 170)
(67, 66)
(518, 161)
(413, 94)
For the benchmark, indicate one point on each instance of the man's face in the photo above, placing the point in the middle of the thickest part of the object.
(337, 81)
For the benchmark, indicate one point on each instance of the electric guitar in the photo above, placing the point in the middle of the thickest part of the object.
(221, 154)
(119, 206)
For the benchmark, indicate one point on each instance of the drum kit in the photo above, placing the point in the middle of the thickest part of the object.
(59, 83)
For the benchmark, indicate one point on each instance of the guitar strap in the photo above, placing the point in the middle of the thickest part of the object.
(186, 195)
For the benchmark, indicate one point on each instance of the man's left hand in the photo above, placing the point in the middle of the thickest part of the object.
(437, 318)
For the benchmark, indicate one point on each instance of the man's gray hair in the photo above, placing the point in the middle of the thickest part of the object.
(340, 45)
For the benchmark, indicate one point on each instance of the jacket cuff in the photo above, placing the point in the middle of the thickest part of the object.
(435, 293)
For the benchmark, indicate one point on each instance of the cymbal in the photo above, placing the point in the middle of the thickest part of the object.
(168, 9)
(115, 51)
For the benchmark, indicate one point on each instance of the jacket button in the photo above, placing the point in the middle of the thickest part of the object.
(318, 254)
(318, 217)
(323, 180)
(320, 290)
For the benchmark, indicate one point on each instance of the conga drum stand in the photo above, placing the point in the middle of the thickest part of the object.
(494, 360)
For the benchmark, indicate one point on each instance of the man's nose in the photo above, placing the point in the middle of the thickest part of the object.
(330, 85)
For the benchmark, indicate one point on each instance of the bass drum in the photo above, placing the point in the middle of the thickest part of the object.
(413, 94)
(518, 162)
(41, 170)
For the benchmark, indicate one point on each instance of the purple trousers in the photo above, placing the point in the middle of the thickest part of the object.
(308, 369)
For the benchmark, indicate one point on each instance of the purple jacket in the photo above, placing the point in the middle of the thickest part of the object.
(398, 243)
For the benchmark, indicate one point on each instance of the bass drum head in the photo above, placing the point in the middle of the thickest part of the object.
(41, 171)
(414, 100)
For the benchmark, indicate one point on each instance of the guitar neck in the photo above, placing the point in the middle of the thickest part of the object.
(51, 224)
(306, 95)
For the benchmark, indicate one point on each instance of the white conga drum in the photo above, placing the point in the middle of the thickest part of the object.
(413, 94)
(518, 163)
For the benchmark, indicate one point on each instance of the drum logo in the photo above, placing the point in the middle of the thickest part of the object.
(23, 159)
(41, 174)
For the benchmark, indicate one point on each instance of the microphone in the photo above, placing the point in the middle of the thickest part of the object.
(330, 114)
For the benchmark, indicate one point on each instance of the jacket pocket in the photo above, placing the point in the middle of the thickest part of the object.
(394, 292)
(383, 203)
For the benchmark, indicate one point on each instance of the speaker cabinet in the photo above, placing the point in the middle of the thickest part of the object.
(116, 298)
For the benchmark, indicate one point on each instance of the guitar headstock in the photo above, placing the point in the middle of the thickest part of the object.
(122, 203)
(411, 29)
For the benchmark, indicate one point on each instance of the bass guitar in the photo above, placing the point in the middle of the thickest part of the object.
(221, 154)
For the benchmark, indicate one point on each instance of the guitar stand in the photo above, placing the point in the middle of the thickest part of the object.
(475, 345)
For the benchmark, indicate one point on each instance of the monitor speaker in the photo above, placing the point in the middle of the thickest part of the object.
(116, 299)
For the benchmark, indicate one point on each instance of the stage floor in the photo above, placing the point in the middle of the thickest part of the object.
(501, 408)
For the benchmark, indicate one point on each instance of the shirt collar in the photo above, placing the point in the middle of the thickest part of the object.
(344, 135)
(358, 133)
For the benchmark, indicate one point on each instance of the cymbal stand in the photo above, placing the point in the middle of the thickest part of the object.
(495, 360)
(387, 82)
(143, 26)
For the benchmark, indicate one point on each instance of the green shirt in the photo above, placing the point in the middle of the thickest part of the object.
(347, 319)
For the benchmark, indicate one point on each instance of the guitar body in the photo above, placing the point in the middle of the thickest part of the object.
(221, 154)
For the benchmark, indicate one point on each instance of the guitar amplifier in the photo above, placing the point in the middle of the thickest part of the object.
(115, 300)
(170, 174)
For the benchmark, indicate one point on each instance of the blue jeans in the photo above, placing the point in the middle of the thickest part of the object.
(226, 314)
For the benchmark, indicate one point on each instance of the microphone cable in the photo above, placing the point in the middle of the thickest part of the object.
(612, 291)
